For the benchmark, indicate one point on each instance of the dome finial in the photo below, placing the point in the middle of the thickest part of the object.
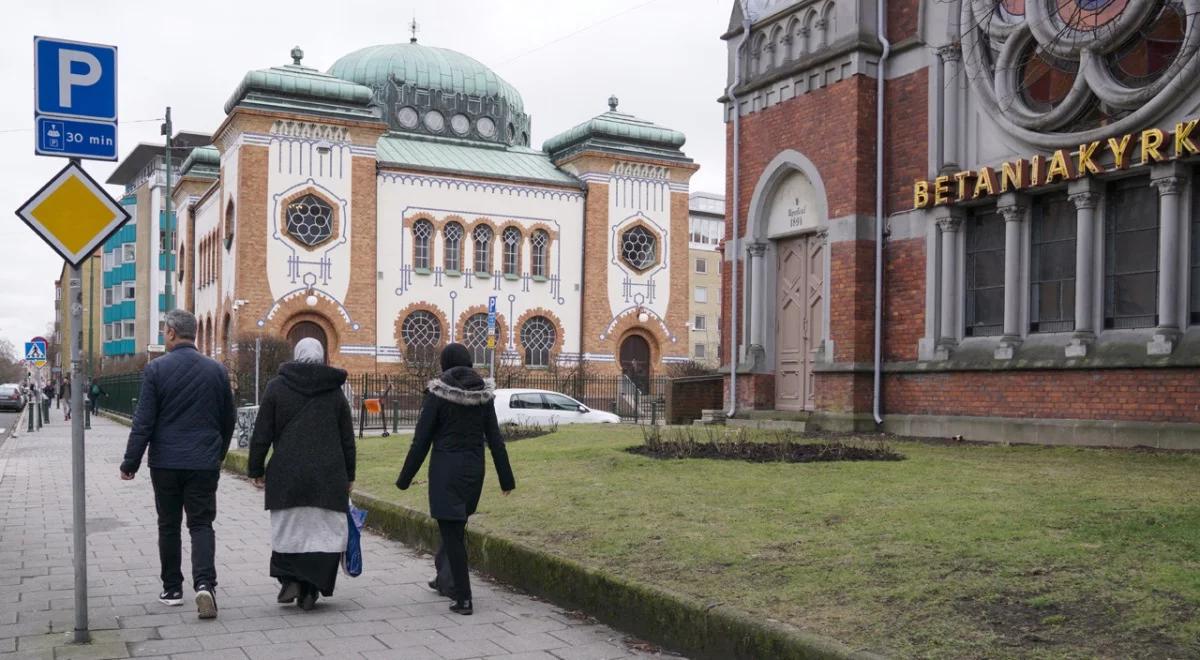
(413, 26)
(612, 103)
(297, 55)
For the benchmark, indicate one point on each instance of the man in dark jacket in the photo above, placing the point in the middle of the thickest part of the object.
(186, 415)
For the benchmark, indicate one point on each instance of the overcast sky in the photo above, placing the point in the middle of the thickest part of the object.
(663, 58)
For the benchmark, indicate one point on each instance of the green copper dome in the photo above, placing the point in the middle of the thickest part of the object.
(426, 67)
(618, 132)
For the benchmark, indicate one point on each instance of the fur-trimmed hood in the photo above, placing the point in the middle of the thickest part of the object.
(462, 385)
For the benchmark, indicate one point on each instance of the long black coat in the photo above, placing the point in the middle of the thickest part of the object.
(457, 417)
(304, 417)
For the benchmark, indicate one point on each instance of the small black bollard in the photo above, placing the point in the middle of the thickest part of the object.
(30, 412)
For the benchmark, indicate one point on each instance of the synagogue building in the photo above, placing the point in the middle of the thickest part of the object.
(380, 204)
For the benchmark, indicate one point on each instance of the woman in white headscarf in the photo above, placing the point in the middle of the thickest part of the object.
(305, 421)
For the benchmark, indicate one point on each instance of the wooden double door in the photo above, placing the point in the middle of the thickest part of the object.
(799, 318)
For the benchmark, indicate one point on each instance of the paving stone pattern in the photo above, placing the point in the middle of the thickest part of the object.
(385, 613)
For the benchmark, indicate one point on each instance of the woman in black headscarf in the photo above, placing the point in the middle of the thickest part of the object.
(457, 417)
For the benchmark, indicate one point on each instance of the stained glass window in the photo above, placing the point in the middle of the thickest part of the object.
(512, 251)
(540, 256)
(475, 334)
(422, 233)
(421, 333)
(310, 220)
(639, 248)
(453, 234)
(1131, 255)
(985, 274)
(483, 249)
(538, 337)
(1052, 264)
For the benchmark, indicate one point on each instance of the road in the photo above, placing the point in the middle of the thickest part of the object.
(7, 421)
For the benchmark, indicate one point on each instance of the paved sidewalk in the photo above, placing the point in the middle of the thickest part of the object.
(385, 613)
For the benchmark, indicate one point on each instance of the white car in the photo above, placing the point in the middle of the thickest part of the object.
(545, 408)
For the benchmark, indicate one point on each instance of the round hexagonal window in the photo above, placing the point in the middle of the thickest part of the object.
(639, 248)
(309, 220)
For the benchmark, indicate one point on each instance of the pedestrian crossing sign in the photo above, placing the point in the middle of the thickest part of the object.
(35, 353)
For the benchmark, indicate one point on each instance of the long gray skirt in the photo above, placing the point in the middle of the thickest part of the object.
(307, 545)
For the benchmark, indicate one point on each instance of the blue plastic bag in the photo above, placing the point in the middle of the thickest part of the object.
(352, 557)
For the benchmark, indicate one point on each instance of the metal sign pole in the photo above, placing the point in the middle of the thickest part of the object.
(78, 489)
(78, 492)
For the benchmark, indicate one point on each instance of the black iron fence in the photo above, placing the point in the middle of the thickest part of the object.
(384, 402)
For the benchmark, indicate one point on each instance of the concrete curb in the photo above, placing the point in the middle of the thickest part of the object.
(674, 621)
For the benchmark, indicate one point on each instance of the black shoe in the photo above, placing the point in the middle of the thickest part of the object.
(206, 602)
(434, 585)
(289, 593)
(308, 598)
(462, 607)
(171, 597)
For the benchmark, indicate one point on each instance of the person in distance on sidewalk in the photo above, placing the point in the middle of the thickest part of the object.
(305, 421)
(186, 416)
(457, 417)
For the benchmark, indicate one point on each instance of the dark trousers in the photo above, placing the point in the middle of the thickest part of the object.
(194, 492)
(454, 544)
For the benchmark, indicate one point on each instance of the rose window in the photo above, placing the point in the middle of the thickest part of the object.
(421, 334)
(310, 220)
(1054, 72)
(639, 248)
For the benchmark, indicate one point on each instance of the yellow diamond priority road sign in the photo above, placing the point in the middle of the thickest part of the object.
(73, 214)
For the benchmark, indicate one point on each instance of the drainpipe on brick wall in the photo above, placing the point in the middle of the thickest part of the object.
(737, 132)
(880, 78)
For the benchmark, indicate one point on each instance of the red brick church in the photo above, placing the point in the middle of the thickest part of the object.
(1023, 195)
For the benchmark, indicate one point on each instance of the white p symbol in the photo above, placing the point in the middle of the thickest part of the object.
(67, 79)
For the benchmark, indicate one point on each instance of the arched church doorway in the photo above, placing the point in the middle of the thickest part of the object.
(635, 361)
(800, 279)
(306, 329)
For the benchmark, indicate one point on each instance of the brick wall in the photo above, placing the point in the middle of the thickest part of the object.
(844, 393)
(902, 17)
(904, 298)
(1136, 395)
(852, 300)
(906, 137)
(687, 397)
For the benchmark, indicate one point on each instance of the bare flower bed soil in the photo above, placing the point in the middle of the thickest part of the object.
(783, 447)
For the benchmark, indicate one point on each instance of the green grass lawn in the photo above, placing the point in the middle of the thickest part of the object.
(958, 551)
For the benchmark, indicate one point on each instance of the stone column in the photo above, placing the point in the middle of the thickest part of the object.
(757, 293)
(1167, 332)
(1014, 216)
(949, 227)
(951, 56)
(1085, 275)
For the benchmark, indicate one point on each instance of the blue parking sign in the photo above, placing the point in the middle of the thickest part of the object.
(74, 79)
(75, 99)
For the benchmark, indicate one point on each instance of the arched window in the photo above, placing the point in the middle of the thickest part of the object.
(452, 237)
(512, 251)
(475, 334)
(828, 24)
(540, 257)
(483, 249)
(229, 220)
(779, 49)
(421, 333)
(796, 38)
(537, 337)
(422, 231)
